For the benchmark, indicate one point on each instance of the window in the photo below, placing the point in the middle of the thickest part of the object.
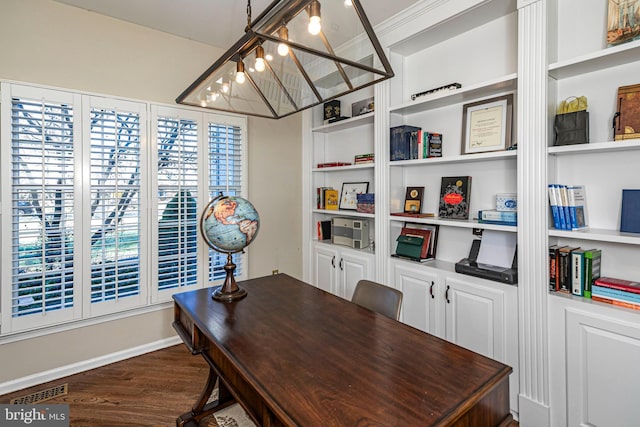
(100, 217)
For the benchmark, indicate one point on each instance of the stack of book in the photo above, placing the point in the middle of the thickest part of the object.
(333, 164)
(363, 158)
(327, 198)
(412, 143)
(568, 206)
(620, 292)
(494, 216)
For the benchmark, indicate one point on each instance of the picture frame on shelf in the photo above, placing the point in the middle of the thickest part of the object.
(486, 125)
(349, 194)
(621, 25)
(413, 200)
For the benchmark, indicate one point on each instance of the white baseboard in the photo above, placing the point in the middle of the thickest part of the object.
(532, 413)
(85, 365)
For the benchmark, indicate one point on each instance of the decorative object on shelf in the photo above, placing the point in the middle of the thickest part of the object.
(571, 124)
(630, 212)
(427, 233)
(362, 107)
(507, 202)
(229, 224)
(410, 246)
(413, 200)
(455, 192)
(331, 199)
(486, 125)
(403, 142)
(626, 120)
(350, 232)
(302, 64)
(623, 24)
(450, 86)
(366, 203)
(331, 109)
(349, 194)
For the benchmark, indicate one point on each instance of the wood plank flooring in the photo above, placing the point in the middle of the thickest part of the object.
(149, 390)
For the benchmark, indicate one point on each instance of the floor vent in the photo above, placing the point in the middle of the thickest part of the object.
(41, 396)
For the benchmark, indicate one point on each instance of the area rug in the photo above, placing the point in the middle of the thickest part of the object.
(232, 416)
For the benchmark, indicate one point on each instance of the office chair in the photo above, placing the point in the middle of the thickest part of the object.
(379, 298)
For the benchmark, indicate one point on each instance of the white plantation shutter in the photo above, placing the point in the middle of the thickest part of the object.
(38, 232)
(225, 168)
(115, 232)
(177, 202)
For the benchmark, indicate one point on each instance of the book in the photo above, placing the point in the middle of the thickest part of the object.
(553, 204)
(577, 272)
(616, 302)
(320, 199)
(413, 199)
(626, 121)
(331, 198)
(592, 261)
(564, 267)
(496, 216)
(455, 197)
(400, 142)
(577, 201)
(333, 164)
(324, 230)
(629, 214)
(554, 270)
(601, 291)
(621, 284)
(564, 203)
(431, 145)
(415, 215)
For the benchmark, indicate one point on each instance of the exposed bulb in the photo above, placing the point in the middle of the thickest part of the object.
(314, 25)
(283, 49)
(260, 65)
(283, 33)
(240, 77)
(347, 3)
(225, 87)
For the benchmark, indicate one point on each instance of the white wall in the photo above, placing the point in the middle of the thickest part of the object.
(48, 43)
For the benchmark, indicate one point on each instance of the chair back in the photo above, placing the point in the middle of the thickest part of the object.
(379, 298)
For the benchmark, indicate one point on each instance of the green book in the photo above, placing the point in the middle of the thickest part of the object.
(592, 259)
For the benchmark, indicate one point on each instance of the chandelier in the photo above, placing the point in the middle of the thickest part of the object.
(295, 55)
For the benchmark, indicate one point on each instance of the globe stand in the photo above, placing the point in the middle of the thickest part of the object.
(229, 291)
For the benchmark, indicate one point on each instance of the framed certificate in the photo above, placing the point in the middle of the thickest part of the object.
(486, 125)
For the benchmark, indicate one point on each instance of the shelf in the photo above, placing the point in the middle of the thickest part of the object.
(470, 93)
(344, 168)
(472, 223)
(431, 263)
(630, 144)
(344, 212)
(598, 234)
(364, 119)
(596, 61)
(466, 158)
(583, 300)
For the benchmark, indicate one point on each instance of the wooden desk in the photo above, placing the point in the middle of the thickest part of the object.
(294, 355)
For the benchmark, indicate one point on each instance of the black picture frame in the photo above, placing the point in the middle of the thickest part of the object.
(349, 193)
(486, 125)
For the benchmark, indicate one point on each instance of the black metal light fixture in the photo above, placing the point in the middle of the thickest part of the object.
(295, 55)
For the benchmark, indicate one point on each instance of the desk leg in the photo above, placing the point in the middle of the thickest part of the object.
(201, 409)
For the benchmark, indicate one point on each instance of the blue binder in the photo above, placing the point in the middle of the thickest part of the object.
(630, 216)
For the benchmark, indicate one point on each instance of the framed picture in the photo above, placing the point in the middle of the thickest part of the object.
(486, 125)
(622, 21)
(413, 199)
(349, 194)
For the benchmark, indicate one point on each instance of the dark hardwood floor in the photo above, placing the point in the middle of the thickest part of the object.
(148, 390)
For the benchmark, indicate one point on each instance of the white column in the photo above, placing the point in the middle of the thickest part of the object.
(381, 135)
(532, 233)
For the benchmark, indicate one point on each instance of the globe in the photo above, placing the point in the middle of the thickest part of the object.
(229, 224)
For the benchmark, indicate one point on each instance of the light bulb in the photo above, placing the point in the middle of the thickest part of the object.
(240, 77)
(260, 65)
(225, 87)
(283, 33)
(314, 25)
(314, 18)
(347, 3)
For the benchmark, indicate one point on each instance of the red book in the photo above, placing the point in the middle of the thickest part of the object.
(621, 284)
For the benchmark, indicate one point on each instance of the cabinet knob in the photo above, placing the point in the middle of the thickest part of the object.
(333, 261)
(431, 290)
(341, 264)
(446, 295)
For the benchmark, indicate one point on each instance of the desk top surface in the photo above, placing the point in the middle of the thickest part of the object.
(318, 358)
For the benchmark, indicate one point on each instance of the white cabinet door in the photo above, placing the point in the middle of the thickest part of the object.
(324, 271)
(475, 317)
(603, 378)
(419, 291)
(353, 267)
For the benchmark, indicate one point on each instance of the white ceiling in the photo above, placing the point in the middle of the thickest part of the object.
(215, 22)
